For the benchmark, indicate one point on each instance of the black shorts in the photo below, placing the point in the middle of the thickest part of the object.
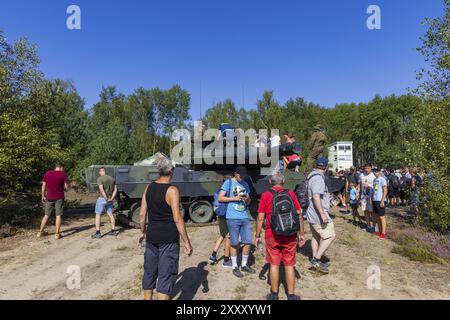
(161, 265)
(354, 205)
(394, 193)
(377, 208)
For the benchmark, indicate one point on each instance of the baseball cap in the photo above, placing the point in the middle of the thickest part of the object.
(242, 171)
(323, 162)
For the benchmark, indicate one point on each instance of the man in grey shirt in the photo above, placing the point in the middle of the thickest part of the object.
(317, 214)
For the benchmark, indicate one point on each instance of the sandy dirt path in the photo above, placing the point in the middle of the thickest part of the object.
(111, 268)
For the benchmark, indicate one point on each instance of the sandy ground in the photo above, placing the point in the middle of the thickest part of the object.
(111, 268)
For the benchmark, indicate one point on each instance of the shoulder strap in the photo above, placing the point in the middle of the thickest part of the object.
(274, 192)
(315, 174)
(230, 182)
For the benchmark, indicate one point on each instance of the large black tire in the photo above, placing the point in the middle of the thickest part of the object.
(133, 214)
(134, 217)
(201, 211)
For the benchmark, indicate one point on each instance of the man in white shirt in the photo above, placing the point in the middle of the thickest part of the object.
(365, 192)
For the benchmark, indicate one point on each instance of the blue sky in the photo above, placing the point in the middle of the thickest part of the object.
(216, 49)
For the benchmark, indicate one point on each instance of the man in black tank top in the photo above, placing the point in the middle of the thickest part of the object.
(161, 203)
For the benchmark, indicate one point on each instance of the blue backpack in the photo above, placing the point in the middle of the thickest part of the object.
(220, 208)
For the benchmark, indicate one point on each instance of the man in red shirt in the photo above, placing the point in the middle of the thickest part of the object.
(53, 185)
(279, 248)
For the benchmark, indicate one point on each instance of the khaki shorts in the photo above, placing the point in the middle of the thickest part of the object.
(54, 205)
(324, 231)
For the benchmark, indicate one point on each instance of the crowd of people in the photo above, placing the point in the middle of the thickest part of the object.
(280, 215)
(403, 186)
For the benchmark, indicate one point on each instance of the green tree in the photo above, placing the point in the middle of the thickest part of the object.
(428, 142)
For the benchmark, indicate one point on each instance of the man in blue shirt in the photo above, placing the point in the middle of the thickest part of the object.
(379, 196)
(236, 193)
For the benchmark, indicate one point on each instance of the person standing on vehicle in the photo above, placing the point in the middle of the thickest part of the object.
(161, 204)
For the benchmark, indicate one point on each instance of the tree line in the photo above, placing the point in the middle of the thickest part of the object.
(43, 121)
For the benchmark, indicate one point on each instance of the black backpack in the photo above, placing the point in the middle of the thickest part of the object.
(419, 181)
(285, 220)
(395, 181)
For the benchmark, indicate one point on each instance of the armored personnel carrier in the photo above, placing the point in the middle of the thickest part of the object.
(197, 182)
(196, 186)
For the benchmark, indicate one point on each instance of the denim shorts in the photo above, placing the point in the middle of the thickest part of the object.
(102, 205)
(240, 227)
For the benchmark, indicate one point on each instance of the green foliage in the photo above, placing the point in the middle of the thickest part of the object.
(43, 121)
(436, 50)
(24, 149)
(427, 144)
(419, 254)
(124, 129)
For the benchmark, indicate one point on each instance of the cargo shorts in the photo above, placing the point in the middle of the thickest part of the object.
(323, 231)
(54, 205)
(223, 226)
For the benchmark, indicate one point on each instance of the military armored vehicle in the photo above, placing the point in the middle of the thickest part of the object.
(197, 187)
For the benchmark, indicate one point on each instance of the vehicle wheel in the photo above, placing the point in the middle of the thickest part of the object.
(133, 214)
(201, 212)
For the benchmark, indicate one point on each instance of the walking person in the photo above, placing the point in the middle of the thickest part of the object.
(280, 248)
(224, 234)
(54, 183)
(161, 204)
(238, 220)
(322, 227)
(105, 202)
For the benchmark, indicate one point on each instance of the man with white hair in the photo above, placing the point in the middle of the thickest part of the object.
(161, 227)
(279, 248)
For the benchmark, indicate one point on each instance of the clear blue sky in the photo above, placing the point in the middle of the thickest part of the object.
(316, 49)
